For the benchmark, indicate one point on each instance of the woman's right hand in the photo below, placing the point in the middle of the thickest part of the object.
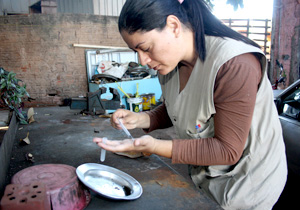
(131, 120)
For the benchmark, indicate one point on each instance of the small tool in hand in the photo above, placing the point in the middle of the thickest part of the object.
(125, 129)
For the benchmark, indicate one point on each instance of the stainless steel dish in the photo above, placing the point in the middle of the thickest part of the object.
(109, 182)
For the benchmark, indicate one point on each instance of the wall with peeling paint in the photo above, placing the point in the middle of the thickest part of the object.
(39, 49)
(286, 39)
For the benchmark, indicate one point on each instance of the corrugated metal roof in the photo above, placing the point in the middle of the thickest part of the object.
(108, 7)
(15, 6)
(97, 7)
(75, 6)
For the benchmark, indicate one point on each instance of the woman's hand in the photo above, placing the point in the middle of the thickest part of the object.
(143, 144)
(146, 144)
(130, 119)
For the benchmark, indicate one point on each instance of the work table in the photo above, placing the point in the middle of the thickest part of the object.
(63, 136)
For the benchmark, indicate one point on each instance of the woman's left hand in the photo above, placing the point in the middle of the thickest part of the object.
(145, 143)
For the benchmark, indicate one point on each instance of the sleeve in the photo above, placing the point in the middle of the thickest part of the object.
(235, 92)
(159, 118)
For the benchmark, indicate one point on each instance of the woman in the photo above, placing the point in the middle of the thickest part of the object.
(216, 95)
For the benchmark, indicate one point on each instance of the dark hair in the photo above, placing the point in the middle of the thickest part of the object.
(146, 15)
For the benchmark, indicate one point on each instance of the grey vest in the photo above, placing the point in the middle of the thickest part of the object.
(258, 178)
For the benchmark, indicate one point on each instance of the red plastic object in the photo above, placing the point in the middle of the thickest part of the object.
(63, 187)
(25, 197)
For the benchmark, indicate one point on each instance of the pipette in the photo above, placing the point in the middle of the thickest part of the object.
(103, 151)
(125, 129)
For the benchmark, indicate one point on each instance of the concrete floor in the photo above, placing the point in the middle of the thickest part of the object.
(60, 135)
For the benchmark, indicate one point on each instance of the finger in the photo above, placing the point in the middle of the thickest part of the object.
(142, 141)
(114, 142)
(120, 113)
(113, 122)
(137, 142)
(129, 121)
(97, 140)
(145, 143)
(100, 142)
(118, 146)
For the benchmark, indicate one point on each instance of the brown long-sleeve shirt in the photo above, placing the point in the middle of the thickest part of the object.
(235, 91)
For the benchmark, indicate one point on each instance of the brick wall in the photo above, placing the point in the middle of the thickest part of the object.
(39, 49)
(286, 39)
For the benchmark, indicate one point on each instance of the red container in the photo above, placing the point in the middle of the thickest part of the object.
(64, 190)
(25, 197)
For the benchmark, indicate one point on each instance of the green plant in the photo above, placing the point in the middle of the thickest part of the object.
(12, 93)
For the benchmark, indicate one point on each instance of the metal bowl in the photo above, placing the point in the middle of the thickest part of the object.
(109, 182)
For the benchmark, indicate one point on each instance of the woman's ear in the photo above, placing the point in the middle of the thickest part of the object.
(174, 24)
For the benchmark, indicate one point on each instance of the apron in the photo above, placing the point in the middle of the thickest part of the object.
(257, 180)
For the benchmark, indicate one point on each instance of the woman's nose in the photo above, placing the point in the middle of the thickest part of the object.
(144, 58)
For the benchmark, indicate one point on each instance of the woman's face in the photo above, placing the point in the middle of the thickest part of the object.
(159, 50)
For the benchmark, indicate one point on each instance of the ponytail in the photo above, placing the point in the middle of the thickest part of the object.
(195, 15)
(205, 23)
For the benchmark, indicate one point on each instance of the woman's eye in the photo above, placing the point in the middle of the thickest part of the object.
(146, 50)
